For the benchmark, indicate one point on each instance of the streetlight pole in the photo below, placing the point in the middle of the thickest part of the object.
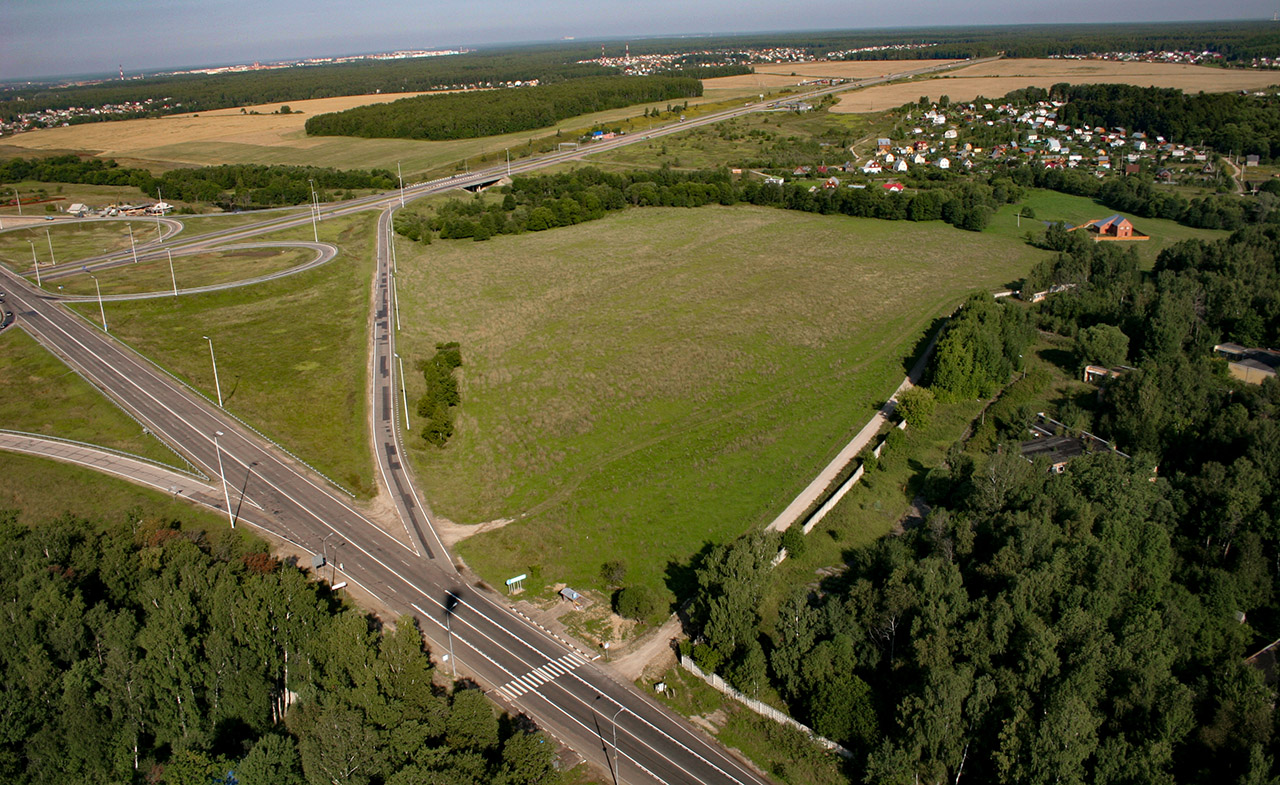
(226, 496)
(132, 247)
(403, 391)
(453, 663)
(17, 196)
(49, 237)
(172, 277)
(615, 742)
(401, 176)
(35, 262)
(214, 359)
(315, 210)
(508, 163)
(101, 310)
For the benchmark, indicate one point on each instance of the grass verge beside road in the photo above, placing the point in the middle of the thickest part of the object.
(291, 352)
(641, 385)
(190, 271)
(39, 394)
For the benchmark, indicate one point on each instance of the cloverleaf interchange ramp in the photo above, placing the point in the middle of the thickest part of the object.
(579, 702)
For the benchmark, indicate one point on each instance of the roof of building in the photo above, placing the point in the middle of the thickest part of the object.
(1265, 661)
(1056, 448)
(1260, 359)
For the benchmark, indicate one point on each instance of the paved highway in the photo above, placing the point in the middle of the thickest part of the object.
(518, 663)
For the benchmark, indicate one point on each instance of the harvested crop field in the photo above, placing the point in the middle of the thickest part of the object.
(790, 74)
(995, 79)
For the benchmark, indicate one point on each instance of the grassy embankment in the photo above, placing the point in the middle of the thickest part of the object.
(202, 269)
(642, 385)
(291, 353)
(39, 394)
(72, 240)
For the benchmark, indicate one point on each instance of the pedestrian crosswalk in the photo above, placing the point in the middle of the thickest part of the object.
(539, 676)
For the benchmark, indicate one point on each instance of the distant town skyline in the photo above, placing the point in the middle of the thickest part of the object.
(43, 39)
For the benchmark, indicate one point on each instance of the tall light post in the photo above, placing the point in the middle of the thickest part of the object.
(226, 495)
(614, 722)
(404, 392)
(401, 176)
(49, 237)
(19, 198)
(315, 210)
(217, 385)
(172, 277)
(35, 262)
(508, 163)
(132, 247)
(101, 310)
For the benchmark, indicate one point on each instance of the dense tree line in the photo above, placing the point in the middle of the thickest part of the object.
(142, 653)
(250, 186)
(487, 113)
(200, 92)
(73, 169)
(231, 186)
(441, 394)
(1083, 627)
(548, 201)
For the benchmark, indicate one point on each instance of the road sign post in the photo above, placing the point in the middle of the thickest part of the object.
(516, 582)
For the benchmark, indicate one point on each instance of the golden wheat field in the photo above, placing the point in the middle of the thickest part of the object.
(788, 74)
(994, 79)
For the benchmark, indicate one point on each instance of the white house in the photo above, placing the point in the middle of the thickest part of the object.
(950, 133)
(944, 163)
(901, 166)
(871, 167)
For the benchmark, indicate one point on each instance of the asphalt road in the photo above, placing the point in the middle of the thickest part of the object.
(519, 664)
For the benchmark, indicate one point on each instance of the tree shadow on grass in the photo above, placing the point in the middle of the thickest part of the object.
(1062, 358)
(909, 359)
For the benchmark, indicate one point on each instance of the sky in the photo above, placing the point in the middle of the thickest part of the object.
(56, 37)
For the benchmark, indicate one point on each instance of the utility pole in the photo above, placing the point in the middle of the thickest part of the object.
(216, 383)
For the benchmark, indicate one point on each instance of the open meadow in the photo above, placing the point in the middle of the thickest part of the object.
(1051, 206)
(639, 386)
(995, 79)
(291, 352)
(39, 394)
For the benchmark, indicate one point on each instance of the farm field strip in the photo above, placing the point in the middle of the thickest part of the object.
(995, 79)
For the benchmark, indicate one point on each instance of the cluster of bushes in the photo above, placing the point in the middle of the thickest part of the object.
(441, 395)
(981, 348)
(487, 113)
(138, 652)
(638, 602)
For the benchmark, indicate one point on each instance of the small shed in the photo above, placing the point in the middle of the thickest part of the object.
(571, 595)
(79, 209)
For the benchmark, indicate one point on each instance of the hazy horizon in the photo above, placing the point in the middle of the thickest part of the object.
(45, 40)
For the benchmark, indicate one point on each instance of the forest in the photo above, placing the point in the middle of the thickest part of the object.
(1230, 123)
(141, 652)
(491, 112)
(1083, 627)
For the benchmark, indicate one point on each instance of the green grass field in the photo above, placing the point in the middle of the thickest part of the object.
(1052, 206)
(642, 385)
(42, 490)
(71, 240)
(190, 271)
(39, 394)
(291, 352)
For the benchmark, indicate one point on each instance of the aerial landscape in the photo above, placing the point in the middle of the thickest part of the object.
(639, 393)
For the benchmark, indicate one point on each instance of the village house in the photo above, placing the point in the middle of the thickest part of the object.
(1253, 366)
